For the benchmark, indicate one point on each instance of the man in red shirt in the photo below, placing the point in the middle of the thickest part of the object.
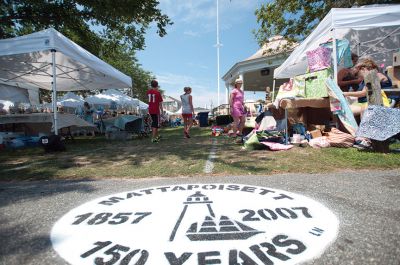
(155, 109)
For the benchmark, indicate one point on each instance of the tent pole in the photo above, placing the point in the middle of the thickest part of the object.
(273, 90)
(286, 127)
(227, 92)
(335, 62)
(54, 88)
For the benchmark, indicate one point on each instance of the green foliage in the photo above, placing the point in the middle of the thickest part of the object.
(111, 30)
(295, 19)
(84, 21)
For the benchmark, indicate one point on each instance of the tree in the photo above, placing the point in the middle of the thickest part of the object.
(111, 30)
(84, 21)
(295, 19)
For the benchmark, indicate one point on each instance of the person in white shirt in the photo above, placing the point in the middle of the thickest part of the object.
(187, 111)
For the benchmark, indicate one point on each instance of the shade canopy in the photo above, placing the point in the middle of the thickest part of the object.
(71, 100)
(372, 30)
(112, 96)
(143, 105)
(28, 59)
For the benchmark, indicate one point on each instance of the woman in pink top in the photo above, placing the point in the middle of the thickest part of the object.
(237, 108)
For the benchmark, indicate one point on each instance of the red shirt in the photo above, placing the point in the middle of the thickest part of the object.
(154, 97)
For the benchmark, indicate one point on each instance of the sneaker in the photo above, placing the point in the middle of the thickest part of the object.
(186, 135)
(155, 140)
(158, 138)
(365, 143)
(239, 140)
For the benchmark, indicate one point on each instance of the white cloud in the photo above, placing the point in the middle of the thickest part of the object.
(191, 33)
(196, 65)
(204, 92)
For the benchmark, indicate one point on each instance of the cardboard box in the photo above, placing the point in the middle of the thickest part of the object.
(315, 133)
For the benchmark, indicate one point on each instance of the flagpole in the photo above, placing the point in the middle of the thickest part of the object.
(218, 45)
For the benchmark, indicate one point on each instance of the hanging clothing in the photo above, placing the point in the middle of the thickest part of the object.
(343, 52)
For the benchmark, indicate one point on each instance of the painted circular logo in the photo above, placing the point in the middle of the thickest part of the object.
(196, 224)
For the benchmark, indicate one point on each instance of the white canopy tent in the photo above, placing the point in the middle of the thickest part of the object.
(13, 95)
(112, 95)
(71, 100)
(49, 60)
(178, 112)
(142, 105)
(7, 89)
(371, 30)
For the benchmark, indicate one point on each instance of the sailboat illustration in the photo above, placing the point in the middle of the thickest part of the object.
(225, 230)
(212, 228)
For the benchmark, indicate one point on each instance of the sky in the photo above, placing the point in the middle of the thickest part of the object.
(187, 55)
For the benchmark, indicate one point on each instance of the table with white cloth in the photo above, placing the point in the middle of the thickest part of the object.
(35, 123)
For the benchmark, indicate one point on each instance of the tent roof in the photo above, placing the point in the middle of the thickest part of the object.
(70, 99)
(110, 95)
(179, 111)
(28, 59)
(143, 105)
(268, 57)
(275, 45)
(344, 21)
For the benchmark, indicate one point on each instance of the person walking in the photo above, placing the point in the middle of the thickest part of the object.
(237, 110)
(187, 111)
(87, 113)
(155, 109)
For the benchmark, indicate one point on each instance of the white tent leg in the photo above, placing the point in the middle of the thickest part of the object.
(273, 90)
(54, 88)
(286, 127)
(227, 92)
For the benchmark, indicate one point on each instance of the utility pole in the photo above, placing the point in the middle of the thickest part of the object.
(218, 45)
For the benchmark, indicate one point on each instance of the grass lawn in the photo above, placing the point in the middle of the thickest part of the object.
(91, 158)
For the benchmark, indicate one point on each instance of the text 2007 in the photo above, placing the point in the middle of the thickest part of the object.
(268, 214)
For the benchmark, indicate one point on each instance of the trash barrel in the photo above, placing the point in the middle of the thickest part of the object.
(203, 119)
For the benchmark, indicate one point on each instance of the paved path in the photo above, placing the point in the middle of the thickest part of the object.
(367, 205)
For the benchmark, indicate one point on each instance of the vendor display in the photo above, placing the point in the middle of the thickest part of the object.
(313, 84)
(319, 59)
(379, 123)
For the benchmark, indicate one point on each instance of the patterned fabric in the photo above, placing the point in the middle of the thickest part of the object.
(343, 52)
(379, 123)
(289, 90)
(315, 84)
(299, 86)
(319, 142)
(374, 93)
(277, 146)
(319, 59)
(312, 85)
(345, 114)
(337, 138)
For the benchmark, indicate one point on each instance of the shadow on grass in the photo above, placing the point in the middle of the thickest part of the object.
(98, 153)
(175, 156)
